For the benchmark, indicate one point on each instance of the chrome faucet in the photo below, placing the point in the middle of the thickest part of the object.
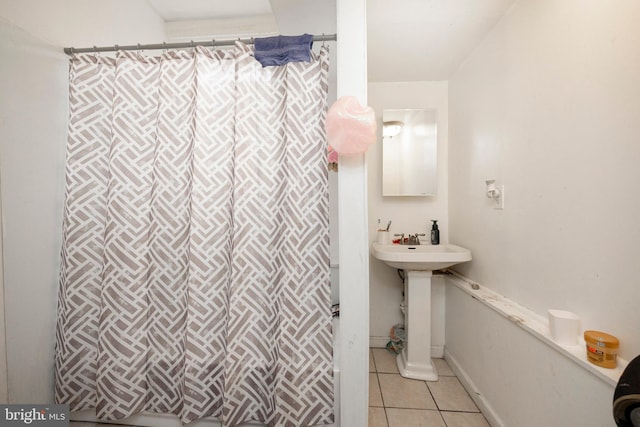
(413, 239)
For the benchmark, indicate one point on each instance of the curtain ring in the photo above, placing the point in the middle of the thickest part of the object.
(116, 47)
(164, 47)
(322, 39)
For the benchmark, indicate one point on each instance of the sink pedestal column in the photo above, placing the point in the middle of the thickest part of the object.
(415, 359)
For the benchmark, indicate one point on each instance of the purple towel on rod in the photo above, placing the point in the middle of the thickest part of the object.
(280, 50)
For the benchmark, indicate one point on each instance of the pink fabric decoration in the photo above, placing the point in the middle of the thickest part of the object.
(333, 155)
(350, 127)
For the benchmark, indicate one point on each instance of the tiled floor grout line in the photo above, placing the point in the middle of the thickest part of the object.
(445, 414)
(384, 407)
(375, 369)
(432, 396)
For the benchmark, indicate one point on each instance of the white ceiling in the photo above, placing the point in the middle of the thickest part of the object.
(408, 40)
(181, 10)
(413, 40)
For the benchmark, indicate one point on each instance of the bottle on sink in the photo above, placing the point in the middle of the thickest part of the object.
(435, 233)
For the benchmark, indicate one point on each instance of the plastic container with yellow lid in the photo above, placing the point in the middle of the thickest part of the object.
(602, 348)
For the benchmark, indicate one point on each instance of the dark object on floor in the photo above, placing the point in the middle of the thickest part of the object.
(626, 398)
(398, 337)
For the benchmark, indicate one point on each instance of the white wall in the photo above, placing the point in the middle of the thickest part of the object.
(353, 237)
(33, 113)
(85, 23)
(4, 392)
(516, 379)
(548, 105)
(409, 214)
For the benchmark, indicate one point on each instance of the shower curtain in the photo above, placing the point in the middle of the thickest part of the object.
(195, 269)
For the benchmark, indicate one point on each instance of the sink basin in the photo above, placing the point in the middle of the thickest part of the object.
(414, 361)
(421, 257)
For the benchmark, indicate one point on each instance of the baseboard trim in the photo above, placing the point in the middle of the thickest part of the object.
(378, 342)
(437, 351)
(479, 399)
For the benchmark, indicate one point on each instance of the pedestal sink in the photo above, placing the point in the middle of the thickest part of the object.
(418, 262)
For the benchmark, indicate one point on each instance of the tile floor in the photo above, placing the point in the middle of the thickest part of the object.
(395, 401)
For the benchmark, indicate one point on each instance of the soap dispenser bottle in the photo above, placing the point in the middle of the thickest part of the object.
(435, 233)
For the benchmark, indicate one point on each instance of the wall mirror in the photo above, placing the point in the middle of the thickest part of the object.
(409, 149)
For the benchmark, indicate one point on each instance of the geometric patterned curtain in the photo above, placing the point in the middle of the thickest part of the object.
(195, 261)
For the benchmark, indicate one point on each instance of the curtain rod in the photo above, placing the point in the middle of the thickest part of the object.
(185, 45)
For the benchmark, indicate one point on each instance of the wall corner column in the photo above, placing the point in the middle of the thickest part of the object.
(353, 223)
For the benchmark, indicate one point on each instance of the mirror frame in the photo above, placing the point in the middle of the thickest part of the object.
(409, 152)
